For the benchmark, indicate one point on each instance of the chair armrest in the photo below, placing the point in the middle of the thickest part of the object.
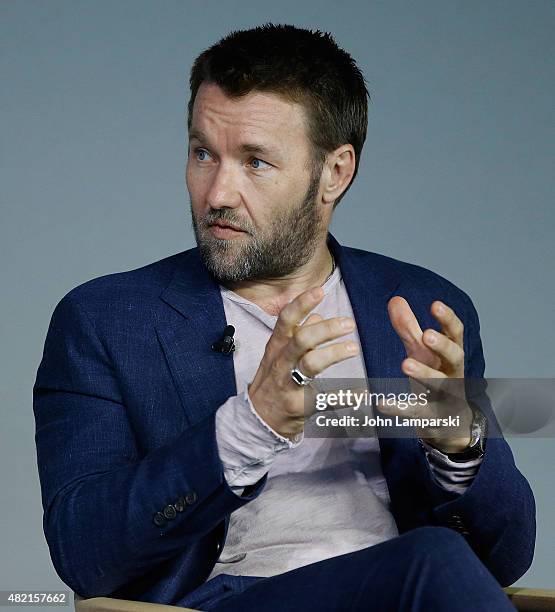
(532, 600)
(109, 604)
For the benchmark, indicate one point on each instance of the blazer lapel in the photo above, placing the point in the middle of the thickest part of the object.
(370, 284)
(204, 379)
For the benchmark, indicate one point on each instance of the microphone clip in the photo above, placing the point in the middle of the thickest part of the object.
(227, 344)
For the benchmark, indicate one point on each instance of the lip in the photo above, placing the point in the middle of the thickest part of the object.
(224, 231)
(226, 226)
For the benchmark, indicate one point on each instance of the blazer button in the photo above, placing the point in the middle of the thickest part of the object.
(190, 498)
(159, 519)
(455, 522)
(180, 504)
(170, 512)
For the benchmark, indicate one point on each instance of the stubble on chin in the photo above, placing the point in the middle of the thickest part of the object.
(288, 242)
(226, 260)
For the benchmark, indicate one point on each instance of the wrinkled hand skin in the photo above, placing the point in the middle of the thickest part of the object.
(278, 400)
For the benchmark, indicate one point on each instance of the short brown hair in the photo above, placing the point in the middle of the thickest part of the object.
(303, 66)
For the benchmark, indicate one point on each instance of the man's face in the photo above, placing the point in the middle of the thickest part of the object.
(270, 193)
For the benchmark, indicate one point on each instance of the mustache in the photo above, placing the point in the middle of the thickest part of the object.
(225, 217)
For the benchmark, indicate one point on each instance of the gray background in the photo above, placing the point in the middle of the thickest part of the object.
(455, 176)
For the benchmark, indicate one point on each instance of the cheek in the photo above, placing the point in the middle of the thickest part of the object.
(273, 196)
(189, 177)
(195, 185)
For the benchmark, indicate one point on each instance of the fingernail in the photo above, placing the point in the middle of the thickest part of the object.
(351, 347)
(431, 337)
(316, 293)
(347, 324)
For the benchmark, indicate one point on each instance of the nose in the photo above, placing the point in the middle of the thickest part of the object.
(224, 190)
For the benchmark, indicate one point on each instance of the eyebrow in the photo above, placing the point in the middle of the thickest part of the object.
(246, 147)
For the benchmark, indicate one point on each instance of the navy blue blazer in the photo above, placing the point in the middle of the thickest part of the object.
(125, 400)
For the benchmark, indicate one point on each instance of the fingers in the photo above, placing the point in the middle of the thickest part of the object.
(312, 318)
(308, 337)
(317, 360)
(431, 353)
(404, 321)
(450, 353)
(294, 312)
(448, 345)
(420, 372)
(406, 325)
(425, 379)
(451, 325)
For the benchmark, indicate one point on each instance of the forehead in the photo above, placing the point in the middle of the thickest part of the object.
(262, 116)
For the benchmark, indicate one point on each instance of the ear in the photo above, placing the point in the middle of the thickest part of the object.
(337, 172)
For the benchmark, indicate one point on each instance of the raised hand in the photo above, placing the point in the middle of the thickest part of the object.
(433, 355)
(278, 400)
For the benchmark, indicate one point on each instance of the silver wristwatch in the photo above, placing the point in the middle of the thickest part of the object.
(478, 433)
(476, 446)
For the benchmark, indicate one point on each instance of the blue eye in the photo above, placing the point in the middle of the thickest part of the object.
(255, 162)
(199, 151)
(255, 159)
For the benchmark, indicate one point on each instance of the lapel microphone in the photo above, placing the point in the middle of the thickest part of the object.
(227, 344)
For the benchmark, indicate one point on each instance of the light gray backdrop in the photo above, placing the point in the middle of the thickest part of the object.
(456, 175)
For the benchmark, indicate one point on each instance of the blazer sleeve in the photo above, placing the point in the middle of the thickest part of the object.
(497, 512)
(100, 494)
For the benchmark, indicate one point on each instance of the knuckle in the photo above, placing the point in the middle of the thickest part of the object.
(284, 318)
(300, 339)
(308, 364)
(304, 300)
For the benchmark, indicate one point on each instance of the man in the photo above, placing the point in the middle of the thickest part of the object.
(176, 470)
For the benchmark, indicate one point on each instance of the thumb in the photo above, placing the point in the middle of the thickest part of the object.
(404, 322)
(408, 329)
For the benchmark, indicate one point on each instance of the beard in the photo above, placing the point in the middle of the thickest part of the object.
(287, 243)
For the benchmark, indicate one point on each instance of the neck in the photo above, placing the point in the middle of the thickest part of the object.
(273, 294)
